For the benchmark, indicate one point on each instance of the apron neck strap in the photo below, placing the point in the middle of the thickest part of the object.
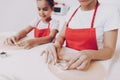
(72, 15)
(94, 15)
(93, 18)
(39, 22)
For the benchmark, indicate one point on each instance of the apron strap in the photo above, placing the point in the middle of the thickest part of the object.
(39, 22)
(93, 18)
(72, 15)
(94, 15)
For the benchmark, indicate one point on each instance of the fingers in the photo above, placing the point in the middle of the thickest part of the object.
(13, 40)
(43, 52)
(27, 46)
(46, 54)
(72, 63)
(21, 43)
(53, 54)
(83, 66)
(80, 63)
(6, 42)
(46, 57)
(24, 45)
(50, 54)
(77, 63)
(10, 41)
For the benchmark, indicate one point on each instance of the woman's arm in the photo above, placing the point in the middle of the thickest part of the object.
(53, 49)
(83, 59)
(110, 38)
(61, 37)
(90, 74)
(109, 45)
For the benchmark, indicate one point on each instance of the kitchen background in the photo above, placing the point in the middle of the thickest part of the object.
(17, 14)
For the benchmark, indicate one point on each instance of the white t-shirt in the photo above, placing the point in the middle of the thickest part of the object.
(107, 18)
(54, 24)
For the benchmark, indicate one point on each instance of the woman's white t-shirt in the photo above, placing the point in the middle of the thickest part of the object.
(54, 24)
(107, 18)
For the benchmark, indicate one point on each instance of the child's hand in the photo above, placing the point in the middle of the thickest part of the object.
(27, 44)
(10, 41)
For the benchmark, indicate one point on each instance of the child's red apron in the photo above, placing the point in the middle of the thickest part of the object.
(82, 39)
(41, 32)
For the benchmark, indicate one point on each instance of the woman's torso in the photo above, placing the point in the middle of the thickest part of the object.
(103, 20)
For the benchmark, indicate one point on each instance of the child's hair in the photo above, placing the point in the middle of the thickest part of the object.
(50, 2)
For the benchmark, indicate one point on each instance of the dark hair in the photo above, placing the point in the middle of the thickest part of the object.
(51, 3)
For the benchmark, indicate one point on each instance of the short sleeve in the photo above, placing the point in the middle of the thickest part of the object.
(54, 24)
(113, 20)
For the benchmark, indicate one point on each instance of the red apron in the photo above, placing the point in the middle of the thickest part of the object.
(41, 32)
(82, 39)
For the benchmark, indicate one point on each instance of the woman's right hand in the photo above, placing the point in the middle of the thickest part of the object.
(10, 41)
(51, 53)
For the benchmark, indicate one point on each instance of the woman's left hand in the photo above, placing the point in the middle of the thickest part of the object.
(80, 62)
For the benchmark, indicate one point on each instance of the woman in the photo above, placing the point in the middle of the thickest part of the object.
(91, 31)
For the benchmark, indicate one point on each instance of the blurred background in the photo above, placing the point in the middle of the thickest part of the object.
(17, 14)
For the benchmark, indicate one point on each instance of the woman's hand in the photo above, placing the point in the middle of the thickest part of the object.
(51, 53)
(11, 41)
(80, 61)
(27, 44)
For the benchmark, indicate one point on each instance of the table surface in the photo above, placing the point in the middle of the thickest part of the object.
(21, 64)
(19, 58)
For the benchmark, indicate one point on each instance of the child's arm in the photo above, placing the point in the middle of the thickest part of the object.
(28, 44)
(21, 34)
(12, 40)
(58, 41)
(61, 37)
(48, 38)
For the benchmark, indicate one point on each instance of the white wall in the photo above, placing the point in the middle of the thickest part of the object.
(17, 14)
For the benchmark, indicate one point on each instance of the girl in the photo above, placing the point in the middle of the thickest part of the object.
(45, 28)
